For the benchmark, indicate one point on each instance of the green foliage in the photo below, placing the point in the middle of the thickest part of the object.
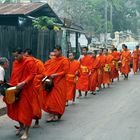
(91, 14)
(44, 23)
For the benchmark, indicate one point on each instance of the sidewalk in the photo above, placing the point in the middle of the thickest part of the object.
(2, 107)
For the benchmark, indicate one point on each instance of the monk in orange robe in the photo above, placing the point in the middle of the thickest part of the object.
(115, 69)
(112, 66)
(85, 66)
(135, 59)
(37, 100)
(22, 76)
(94, 73)
(71, 78)
(102, 60)
(125, 58)
(139, 58)
(54, 101)
(107, 68)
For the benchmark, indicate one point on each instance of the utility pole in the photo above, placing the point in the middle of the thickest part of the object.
(111, 12)
(106, 19)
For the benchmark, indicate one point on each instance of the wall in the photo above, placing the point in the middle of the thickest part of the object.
(41, 42)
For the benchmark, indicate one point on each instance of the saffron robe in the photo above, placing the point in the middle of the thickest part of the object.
(54, 102)
(83, 79)
(125, 58)
(94, 74)
(71, 79)
(22, 110)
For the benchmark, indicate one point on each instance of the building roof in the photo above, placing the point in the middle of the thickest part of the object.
(19, 8)
(27, 9)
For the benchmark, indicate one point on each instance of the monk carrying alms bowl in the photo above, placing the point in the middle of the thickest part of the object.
(47, 84)
(11, 95)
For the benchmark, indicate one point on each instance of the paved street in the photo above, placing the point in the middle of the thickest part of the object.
(114, 114)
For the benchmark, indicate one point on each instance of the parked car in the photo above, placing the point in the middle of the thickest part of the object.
(131, 46)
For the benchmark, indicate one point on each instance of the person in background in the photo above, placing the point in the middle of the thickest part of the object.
(4, 63)
(107, 68)
(85, 66)
(94, 73)
(135, 59)
(115, 69)
(102, 60)
(71, 78)
(125, 59)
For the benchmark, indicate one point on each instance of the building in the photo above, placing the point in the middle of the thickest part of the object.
(16, 14)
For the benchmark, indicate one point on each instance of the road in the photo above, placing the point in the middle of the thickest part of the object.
(113, 114)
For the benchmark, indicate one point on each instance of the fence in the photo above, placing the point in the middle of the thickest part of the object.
(41, 42)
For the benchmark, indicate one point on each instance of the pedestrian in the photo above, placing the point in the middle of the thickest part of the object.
(37, 100)
(22, 76)
(71, 78)
(55, 100)
(107, 68)
(102, 60)
(116, 57)
(4, 63)
(85, 66)
(126, 59)
(135, 59)
(94, 73)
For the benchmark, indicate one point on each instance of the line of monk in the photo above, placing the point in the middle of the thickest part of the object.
(51, 86)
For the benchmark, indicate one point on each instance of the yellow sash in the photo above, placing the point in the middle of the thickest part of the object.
(107, 68)
(70, 77)
(84, 69)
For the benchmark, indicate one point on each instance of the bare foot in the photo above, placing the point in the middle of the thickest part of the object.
(24, 137)
(36, 126)
(56, 118)
(18, 131)
(50, 119)
(78, 97)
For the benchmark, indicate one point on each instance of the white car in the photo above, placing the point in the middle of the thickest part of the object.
(131, 46)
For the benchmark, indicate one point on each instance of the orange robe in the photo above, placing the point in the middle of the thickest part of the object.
(71, 79)
(139, 59)
(21, 110)
(54, 102)
(102, 60)
(126, 58)
(94, 74)
(83, 79)
(115, 70)
(37, 100)
(107, 75)
(135, 60)
(112, 66)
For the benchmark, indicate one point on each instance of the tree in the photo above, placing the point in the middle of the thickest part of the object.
(91, 14)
